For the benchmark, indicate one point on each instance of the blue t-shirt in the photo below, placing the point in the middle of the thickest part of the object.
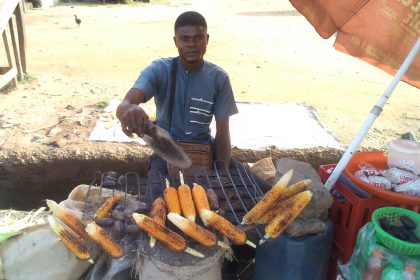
(199, 96)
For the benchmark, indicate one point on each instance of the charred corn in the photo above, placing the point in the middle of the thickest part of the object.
(295, 188)
(268, 199)
(170, 196)
(279, 207)
(186, 200)
(236, 235)
(67, 217)
(285, 218)
(104, 240)
(197, 232)
(200, 199)
(285, 201)
(158, 214)
(73, 242)
(165, 235)
(105, 209)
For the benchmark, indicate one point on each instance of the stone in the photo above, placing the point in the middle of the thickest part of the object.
(301, 227)
(321, 199)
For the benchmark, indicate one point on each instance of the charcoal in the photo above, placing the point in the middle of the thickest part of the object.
(408, 222)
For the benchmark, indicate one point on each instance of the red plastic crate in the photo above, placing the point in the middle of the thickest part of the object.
(349, 213)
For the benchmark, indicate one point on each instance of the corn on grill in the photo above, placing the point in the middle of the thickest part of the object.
(237, 189)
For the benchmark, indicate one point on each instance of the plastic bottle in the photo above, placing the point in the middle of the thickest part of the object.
(409, 271)
(393, 271)
(404, 154)
(375, 266)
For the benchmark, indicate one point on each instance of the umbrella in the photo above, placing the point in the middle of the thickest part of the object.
(384, 33)
(380, 32)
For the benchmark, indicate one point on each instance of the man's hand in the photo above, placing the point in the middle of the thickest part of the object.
(131, 115)
(133, 119)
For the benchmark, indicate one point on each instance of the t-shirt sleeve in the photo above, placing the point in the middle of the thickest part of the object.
(147, 82)
(225, 105)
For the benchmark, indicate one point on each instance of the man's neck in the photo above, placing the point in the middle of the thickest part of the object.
(195, 66)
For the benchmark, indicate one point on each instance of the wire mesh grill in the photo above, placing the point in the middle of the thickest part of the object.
(237, 188)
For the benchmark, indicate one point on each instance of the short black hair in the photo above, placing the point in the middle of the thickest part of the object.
(190, 18)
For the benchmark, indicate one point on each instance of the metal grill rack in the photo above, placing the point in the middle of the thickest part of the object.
(237, 188)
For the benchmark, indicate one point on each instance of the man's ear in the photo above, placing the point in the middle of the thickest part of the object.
(208, 37)
(174, 40)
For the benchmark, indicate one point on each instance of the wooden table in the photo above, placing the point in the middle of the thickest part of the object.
(12, 15)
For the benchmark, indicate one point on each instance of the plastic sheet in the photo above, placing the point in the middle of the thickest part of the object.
(392, 265)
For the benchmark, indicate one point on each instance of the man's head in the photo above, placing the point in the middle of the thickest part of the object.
(190, 18)
(191, 38)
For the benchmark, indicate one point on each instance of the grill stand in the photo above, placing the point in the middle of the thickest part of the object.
(238, 191)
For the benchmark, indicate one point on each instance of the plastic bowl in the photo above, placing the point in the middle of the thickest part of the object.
(393, 215)
(379, 160)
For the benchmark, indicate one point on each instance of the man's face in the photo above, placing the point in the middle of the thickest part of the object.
(191, 42)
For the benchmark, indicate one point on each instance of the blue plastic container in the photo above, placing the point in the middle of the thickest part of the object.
(300, 258)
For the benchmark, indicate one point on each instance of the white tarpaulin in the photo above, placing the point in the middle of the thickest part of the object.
(257, 126)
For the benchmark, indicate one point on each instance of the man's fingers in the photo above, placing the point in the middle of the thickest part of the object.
(133, 121)
(125, 126)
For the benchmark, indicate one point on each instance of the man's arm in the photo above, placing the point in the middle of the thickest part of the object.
(132, 116)
(222, 144)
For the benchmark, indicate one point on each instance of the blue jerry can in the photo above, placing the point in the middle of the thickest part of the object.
(299, 258)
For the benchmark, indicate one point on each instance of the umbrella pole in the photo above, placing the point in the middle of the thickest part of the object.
(374, 113)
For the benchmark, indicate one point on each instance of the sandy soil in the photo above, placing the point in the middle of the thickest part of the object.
(270, 51)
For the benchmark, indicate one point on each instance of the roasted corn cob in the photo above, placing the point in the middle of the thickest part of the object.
(295, 188)
(285, 218)
(226, 228)
(104, 240)
(105, 209)
(200, 199)
(171, 198)
(67, 217)
(279, 207)
(158, 214)
(165, 235)
(268, 199)
(285, 201)
(198, 233)
(186, 200)
(73, 242)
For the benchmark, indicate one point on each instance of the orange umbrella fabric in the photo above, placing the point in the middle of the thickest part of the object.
(380, 32)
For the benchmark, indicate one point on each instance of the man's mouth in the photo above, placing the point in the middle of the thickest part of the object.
(191, 53)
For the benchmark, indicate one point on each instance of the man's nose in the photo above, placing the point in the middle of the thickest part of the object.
(192, 42)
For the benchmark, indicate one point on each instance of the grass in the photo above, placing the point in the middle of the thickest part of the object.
(102, 104)
(7, 88)
(26, 79)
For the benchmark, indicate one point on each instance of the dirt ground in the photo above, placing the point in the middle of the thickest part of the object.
(270, 51)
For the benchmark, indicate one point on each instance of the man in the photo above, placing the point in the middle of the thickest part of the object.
(199, 90)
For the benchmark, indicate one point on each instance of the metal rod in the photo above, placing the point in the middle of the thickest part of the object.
(224, 192)
(376, 110)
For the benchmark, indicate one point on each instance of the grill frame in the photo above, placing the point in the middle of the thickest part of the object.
(238, 190)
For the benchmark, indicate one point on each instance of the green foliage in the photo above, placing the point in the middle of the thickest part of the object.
(28, 78)
(11, 223)
(7, 88)
(102, 104)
